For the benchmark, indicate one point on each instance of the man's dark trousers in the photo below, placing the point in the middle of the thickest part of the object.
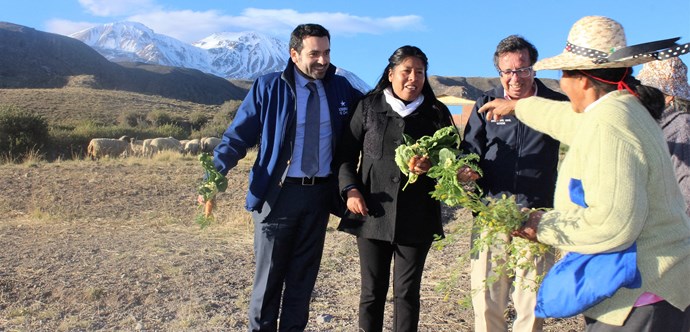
(288, 245)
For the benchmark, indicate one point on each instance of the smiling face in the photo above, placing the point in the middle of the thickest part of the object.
(407, 78)
(314, 58)
(513, 83)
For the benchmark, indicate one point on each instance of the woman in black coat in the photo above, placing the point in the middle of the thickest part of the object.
(391, 224)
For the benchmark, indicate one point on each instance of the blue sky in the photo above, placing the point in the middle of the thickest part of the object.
(459, 37)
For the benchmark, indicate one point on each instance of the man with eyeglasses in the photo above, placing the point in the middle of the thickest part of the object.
(517, 161)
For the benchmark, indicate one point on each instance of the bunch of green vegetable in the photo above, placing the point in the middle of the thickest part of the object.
(425, 146)
(213, 183)
(448, 189)
(495, 219)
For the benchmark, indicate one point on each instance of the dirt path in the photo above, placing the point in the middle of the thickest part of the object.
(112, 245)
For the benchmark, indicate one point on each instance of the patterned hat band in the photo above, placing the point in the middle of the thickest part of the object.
(603, 57)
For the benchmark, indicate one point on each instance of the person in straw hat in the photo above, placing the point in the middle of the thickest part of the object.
(671, 77)
(616, 193)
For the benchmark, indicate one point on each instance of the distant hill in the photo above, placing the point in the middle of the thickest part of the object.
(35, 59)
(31, 59)
(74, 105)
(471, 88)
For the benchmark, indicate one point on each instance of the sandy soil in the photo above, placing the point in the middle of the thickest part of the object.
(112, 245)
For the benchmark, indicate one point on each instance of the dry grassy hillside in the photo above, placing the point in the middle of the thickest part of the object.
(74, 105)
(112, 245)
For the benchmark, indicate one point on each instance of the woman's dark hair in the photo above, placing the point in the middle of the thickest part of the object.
(397, 58)
(651, 98)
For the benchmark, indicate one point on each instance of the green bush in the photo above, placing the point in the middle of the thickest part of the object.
(170, 130)
(198, 119)
(159, 118)
(228, 110)
(21, 133)
(220, 122)
(132, 119)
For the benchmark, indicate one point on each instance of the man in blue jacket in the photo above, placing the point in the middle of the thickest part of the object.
(290, 207)
(516, 160)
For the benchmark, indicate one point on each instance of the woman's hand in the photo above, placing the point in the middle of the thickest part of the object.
(529, 229)
(466, 174)
(498, 108)
(355, 202)
(419, 165)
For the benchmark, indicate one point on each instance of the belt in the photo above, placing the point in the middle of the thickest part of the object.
(306, 181)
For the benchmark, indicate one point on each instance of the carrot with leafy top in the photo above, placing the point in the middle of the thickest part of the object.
(213, 183)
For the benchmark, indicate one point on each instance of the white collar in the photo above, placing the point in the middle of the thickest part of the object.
(398, 105)
(596, 102)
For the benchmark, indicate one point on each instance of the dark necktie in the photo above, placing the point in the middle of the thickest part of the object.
(310, 151)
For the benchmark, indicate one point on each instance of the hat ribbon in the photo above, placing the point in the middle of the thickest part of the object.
(620, 85)
(660, 50)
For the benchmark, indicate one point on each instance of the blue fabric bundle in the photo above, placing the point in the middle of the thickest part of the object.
(579, 281)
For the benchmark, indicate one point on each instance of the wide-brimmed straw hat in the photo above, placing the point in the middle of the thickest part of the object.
(596, 42)
(670, 76)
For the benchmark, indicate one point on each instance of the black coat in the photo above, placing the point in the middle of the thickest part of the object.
(516, 159)
(375, 131)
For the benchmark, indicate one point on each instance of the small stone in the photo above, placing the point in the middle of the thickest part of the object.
(324, 318)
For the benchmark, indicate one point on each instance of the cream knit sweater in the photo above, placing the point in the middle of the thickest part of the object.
(618, 152)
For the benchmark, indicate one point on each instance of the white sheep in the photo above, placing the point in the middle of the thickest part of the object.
(165, 143)
(107, 147)
(137, 147)
(146, 148)
(209, 143)
(192, 147)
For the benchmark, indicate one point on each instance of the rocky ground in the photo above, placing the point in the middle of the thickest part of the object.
(112, 245)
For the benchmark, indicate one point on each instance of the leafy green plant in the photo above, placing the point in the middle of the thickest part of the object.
(213, 183)
(426, 146)
(495, 218)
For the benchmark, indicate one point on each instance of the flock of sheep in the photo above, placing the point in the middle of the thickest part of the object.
(126, 146)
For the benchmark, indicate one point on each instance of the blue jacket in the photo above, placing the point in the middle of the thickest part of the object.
(516, 159)
(268, 117)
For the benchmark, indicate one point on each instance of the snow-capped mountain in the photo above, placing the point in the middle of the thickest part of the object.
(246, 55)
(134, 42)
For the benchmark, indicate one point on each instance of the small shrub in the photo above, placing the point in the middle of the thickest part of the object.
(220, 122)
(198, 119)
(159, 118)
(228, 111)
(21, 133)
(132, 119)
(170, 130)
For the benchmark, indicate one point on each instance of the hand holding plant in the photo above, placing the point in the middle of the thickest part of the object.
(213, 183)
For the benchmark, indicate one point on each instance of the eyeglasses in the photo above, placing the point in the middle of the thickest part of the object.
(520, 72)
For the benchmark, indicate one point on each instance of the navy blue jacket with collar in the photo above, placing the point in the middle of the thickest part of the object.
(516, 159)
(268, 117)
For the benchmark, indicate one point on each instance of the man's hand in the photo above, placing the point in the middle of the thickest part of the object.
(498, 108)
